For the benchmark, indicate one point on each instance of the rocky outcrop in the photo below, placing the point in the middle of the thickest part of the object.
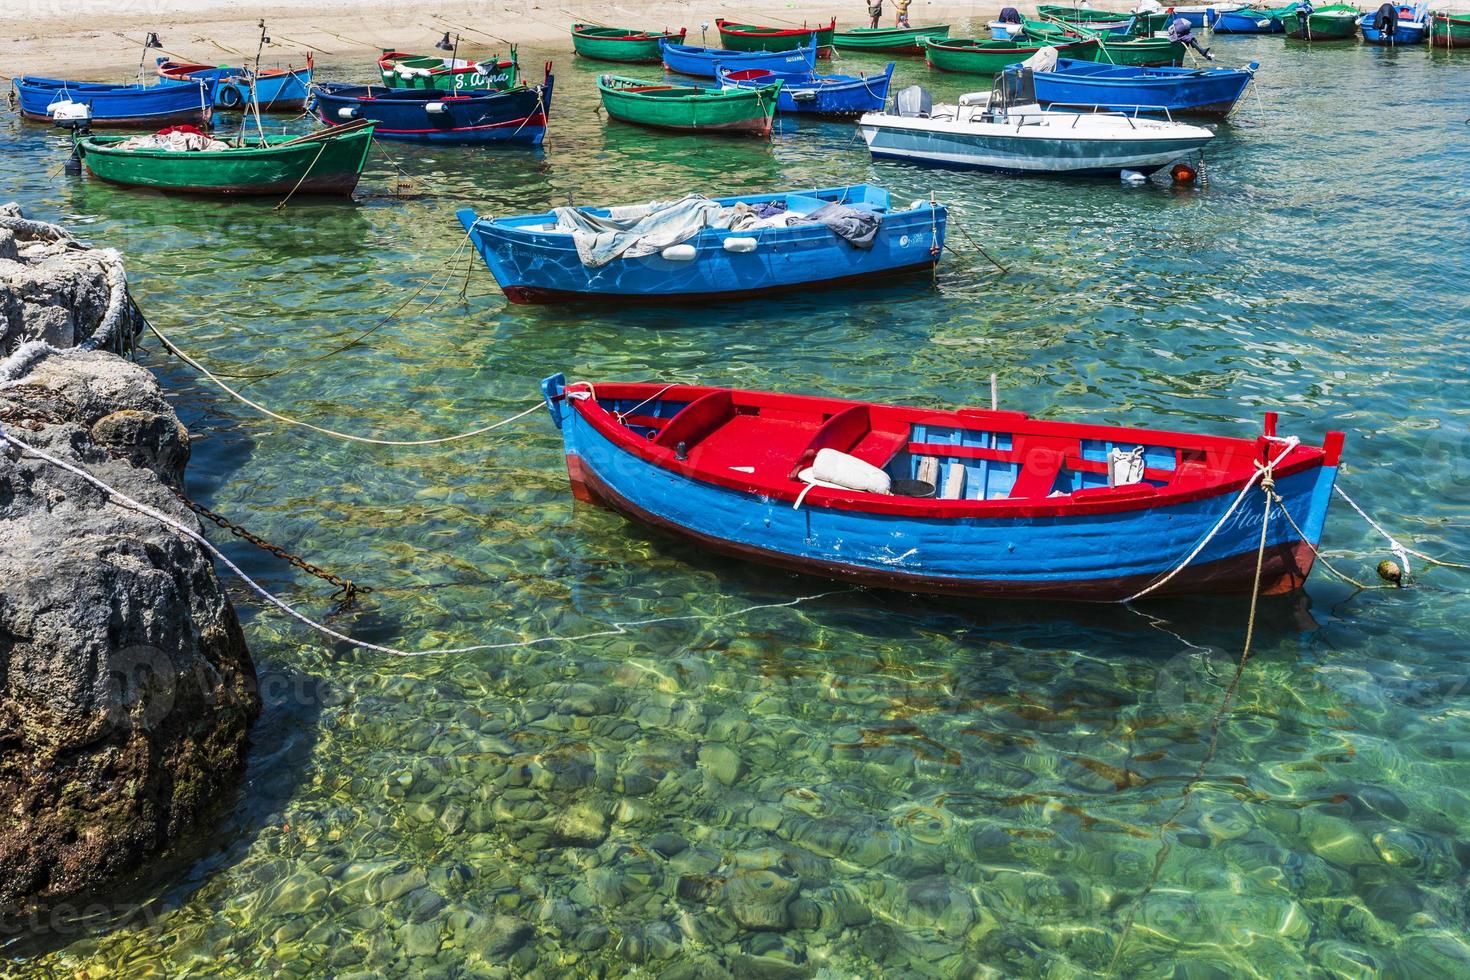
(126, 689)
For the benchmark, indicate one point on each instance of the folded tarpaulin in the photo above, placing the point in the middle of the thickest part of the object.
(855, 226)
(639, 229)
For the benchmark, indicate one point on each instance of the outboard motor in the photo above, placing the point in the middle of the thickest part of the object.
(913, 102)
(1386, 20)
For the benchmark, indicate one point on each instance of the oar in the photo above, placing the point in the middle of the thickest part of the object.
(323, 134)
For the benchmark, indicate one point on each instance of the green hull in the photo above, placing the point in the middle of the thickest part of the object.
(650, 103)
(1080, 15)
(328, 165)
(1449, 32)
(895, 40)
(771, 38)
(988, 57)
(625, 45)
(1138, 52)
(439, 74)
(1334, 23)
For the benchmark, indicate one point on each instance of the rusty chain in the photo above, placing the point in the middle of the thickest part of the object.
(346, 588)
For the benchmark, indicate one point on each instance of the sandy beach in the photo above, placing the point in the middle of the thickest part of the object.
(101, 39)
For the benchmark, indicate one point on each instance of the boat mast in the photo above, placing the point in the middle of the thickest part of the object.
(254, 94)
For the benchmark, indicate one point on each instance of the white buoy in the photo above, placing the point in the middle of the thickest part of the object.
(1133, 178)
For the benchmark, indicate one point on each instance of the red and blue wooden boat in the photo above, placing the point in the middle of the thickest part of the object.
(276, 89)
(1026, 506)
(515, 116)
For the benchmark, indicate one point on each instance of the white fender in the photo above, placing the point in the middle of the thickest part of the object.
(347, 112)
(435, 108)
(740, 244)
(680, 253)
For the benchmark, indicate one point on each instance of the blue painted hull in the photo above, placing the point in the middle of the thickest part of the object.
(1247, 22)
(701, 62)
(276, 93)
(1180, 91)
(1403, 34)
(825, 95)
(118, 105)
(1096, 557)
(533, 266)
(517, 117)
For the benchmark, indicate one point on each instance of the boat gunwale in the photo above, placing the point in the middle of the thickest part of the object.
(100, 145)
(1300, 458)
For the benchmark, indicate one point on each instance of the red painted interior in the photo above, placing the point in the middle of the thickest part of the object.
(755, 442)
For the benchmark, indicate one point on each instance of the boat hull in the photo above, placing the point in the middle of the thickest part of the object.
(982, 59)
(517, 117)
(700, 62)
(604, 44)
(804, 96)
(1006, 153)
(1246, 22)
(733, 111)
(1403, 34)
(1179, 91)
(1449, 32)
(1071, 558)
(1322, 27)
(328, 166)
(283, 90)
(133, 106)
(536, 267)
(887, 40)
(752, 37)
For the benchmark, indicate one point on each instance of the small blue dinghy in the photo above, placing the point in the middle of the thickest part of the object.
(689, 59)
(697, 248)
(820, 95)
(1395, 24)
(1251, 20)
(103, 104)
(1146, 91)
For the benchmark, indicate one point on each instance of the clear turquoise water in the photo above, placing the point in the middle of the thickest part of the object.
(858, 783)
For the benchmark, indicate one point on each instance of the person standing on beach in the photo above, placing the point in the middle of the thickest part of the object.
(903, 12)
(875, 14)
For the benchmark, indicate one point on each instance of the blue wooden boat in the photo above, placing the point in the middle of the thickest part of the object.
(968, 502)
(1250, 20)
(276, 89)
(689, 59)
(689, 251)
(516, 116)
(1150, 91)
(821, 95)
(1396, 24)
(114, 105)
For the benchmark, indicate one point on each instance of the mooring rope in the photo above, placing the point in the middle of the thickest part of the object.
(350, 437)
(1393, 545)
(1262, 470)
(1268, 484)
(616, 628)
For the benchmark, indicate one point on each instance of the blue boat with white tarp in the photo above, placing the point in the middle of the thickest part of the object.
(103, 104)
(1149, 91)
(689, 59)
(813, 94)
(697, 248)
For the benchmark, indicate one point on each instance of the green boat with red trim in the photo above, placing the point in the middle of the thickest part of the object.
(402, 70)
(621, 44)
(323, 163)
(1449, 30)
(689, 108)
(888, 40)
(984, 57)
(756, 37)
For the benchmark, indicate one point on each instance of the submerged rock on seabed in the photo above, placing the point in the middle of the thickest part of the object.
(126, 689)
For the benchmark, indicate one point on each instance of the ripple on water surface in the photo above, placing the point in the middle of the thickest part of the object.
(856, 783)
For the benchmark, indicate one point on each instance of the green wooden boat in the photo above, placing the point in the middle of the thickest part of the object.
(980, 57)
(623, 44)
(648, 103)
(1335, 22)
(323, 163)
(754, 37)
(889, 40)
(1111, 49)
(1449, 31)
(1079, 15)
(402, 70)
